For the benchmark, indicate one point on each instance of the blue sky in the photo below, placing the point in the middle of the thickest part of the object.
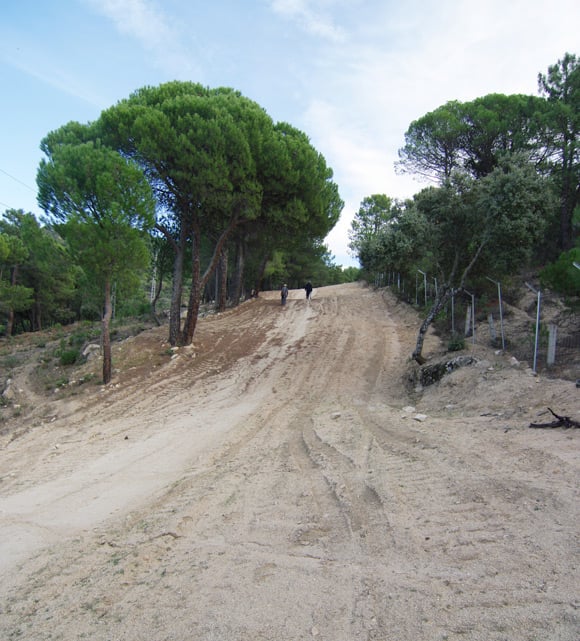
(351, 74)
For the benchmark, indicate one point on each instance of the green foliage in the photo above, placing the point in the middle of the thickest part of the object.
(69, 356)
(46, 269)
(15, 297)
(351, 274)
(62, 381)
(373, 217)
(220, 169)
(562, 276)
(471, 137)
(136, 306)
(466, 227)
(433, 143)
(561, 87)
(103, 203)
(276, 271)
(10, 362)
(456, 343)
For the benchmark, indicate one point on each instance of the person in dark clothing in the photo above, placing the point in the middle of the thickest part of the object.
(308, 288)
(284, 293)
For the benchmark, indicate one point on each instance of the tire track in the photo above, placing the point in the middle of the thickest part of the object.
(458, 519)
(314, 511)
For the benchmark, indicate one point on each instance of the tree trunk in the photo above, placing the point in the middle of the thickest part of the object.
(440, 302)
(177, 290)
(565, 214)
(106, 336)
(221, 297)
(36, 315)
(10, 322)
(158, 289)
(238, 278)
(198, 282)
(195, 292)
(261, 271)
(10, 319)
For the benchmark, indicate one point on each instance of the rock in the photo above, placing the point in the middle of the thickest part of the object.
(420, 417)
(92, 350)
(433, 373)
(8, 392)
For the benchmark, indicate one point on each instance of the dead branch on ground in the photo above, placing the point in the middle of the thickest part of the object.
(561, 421)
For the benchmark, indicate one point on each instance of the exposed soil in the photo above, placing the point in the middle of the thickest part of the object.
(280, 480)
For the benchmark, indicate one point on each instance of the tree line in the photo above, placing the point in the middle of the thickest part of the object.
(196, 186)
(504, 194)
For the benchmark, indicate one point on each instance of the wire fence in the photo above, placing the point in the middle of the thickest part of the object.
(544, 334)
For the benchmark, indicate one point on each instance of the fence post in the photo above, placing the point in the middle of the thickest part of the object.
(552, 338)
(492, 332)
(500, 311)
(452, 312)
(472, 316)
(537, 341)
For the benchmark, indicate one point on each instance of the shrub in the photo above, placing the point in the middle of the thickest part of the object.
(69, 356)
(562, 276)
(456, 343)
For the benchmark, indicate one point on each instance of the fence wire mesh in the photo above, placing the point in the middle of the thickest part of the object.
(479, 319)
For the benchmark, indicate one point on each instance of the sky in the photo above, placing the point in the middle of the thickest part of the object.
(351, 74)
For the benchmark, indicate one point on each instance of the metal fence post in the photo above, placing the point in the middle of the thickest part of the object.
(452, 312)
(500, 311)
(537, 341)
(552, 338)
(472, 315)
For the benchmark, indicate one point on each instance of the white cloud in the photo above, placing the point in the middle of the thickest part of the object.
(313, 19)
(148, 24)
(408, 62)
(360, 163)
(137, 18)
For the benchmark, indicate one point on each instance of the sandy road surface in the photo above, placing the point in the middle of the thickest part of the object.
(269, 484)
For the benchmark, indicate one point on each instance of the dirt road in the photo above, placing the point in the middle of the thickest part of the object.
(273, 483)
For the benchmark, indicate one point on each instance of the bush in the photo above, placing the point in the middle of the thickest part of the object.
(562, 276)
(69, 356)
(456, 343)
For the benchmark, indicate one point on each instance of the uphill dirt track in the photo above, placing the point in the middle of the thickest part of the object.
(271, 483)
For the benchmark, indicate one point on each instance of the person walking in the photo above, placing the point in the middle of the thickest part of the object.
(308, 288)
(284, 293)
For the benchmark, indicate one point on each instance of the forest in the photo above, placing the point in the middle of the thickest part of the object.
(179, 184)
(194, 195)
(504, 174)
